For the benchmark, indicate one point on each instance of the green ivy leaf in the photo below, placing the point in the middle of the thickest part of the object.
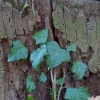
(72, 47)
(29, 97)
(56, 55)
(60, 81)
(37, 56)
(52, 93)
(31, 86)
(41, 36)
(77, 94)
(43, 77)
(79, 68)
(18, 51)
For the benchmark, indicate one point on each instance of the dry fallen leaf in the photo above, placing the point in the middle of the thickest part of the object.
(94, 98)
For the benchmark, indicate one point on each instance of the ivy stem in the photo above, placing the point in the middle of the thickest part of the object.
(33, 6)
(51, 75)
(61, 87)
(59, 91)
(54, 85)
(53, 79)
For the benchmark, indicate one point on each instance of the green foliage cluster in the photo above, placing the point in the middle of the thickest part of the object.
(54, 56)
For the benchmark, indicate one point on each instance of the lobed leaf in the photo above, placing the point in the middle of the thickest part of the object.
(31, 86)
(37, 56)
(72, 47)
(77, 94)
(43, 78)
(41, 36)
(56, 55)
(18, 51)
(79, 68)
(60, 81)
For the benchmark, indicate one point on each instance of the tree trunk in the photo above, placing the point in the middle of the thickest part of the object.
(68, 21)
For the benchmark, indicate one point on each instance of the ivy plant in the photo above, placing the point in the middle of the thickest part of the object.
(79, 68)
(31, 86)
(72, 47)
(60, 81)
(55, 52)
(41, 36)
(18, 51)
(54, 55)
(37, 56)
(43, 77)
(77, 94)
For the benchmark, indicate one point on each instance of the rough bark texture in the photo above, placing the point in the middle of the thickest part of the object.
(68, 21)
(80, 24)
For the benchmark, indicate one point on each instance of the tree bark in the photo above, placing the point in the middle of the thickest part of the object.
(68, 21)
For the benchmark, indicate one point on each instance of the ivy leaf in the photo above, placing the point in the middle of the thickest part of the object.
(29, 97)
(18, 51)
(41, 36)
(60, 81)
(77, 94)
(37, 56)
(52, 93)
(56, 55)
(31, 86)
(79, 68)
(72, 47)
(43, 77)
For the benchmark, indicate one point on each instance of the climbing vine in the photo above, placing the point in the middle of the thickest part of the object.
(54, 55)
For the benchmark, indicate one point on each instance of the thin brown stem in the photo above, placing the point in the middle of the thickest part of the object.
(43, 86)
(54, 86)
